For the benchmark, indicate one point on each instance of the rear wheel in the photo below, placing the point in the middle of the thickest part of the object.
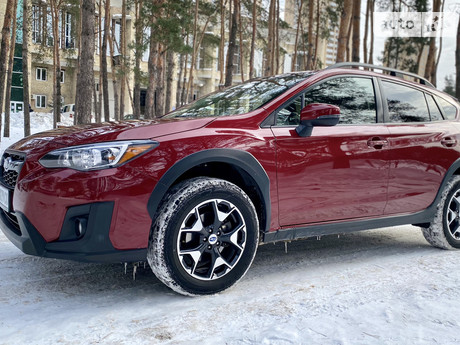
(444, 231)
(205, 236)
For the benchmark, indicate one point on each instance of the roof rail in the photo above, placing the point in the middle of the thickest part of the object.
(393, 72)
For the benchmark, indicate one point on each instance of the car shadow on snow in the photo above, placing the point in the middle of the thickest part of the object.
(76, 279)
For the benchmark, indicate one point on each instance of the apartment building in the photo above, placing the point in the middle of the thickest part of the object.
(207, 77)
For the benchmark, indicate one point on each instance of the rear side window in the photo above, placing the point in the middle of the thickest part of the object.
(435, 114)
(405, 104)
(450, 112)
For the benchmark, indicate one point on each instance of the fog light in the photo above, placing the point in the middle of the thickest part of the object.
(80, 226)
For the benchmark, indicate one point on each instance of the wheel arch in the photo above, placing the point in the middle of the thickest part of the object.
(238, 167)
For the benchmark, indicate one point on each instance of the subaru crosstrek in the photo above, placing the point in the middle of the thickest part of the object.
(274, 159)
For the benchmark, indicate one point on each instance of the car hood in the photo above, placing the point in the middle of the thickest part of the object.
(124, 130)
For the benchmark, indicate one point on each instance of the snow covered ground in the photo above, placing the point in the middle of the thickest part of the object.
(374, 287)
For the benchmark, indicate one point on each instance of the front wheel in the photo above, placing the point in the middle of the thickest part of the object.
(205, 236)
(444, 231)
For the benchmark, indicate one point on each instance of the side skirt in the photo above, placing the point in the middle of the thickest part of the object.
(314, 230)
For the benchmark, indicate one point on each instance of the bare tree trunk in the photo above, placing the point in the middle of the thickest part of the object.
(311, 11)
(349, 32)
(277, 38)
(169, 79)
(318, 14)
(114, 76)
(296, 44)
(179, 78)
(457, 63)
(222, 41)
(192, 65)
(138, 56)
(85, 77)
(253, 39)
(371, 48)
(182, 91)
(343, 30)
(104, 73)
(356, 33)
(55, 16)
(151, 88)
(9, 78)
(270, 39)
(160, 82)
(231, 45)
(240, 29)
(25, 66)
(431, 60)
(366, 31)
(123, 61)
(4, 46)
(99, 32)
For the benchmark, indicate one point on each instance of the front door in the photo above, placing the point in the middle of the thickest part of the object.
(338, 172)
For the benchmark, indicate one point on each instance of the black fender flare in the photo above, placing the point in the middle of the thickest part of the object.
(450, 172)
(242, 159)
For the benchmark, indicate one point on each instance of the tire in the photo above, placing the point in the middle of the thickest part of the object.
(204, 238)
(444, 231)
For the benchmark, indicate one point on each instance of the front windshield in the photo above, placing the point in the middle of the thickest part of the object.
(240, 99)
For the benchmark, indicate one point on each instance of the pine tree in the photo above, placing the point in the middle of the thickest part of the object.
(85, 76)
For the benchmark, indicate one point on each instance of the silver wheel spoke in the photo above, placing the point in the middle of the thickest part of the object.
(195, 254)
(221, 216)
(451, 216)
(457, 202)
(232, 237)
(217, 263)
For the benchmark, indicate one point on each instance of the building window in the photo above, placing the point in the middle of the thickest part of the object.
(41, 74)
(68, 31)
(62, 76)
(204, 59)
(236, 61)
(40, 101)
(37, 17)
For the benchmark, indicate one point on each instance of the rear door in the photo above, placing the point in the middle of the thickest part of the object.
(338, 172)
(422, 146)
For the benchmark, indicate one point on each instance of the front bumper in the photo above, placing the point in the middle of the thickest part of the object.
(93, 245)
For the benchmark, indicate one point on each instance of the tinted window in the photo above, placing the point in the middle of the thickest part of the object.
(289, 115)
(405, 104)
(435, 114)
(354, 96)
(450, 112)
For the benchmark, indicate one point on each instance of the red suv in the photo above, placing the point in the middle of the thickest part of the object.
(273, 159)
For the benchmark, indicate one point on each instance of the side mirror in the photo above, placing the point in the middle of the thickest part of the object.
(317, 114)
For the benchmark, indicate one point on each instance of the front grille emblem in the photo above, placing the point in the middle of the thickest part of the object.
(11, 165)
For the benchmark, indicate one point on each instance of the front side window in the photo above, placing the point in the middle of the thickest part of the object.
(354, 96)
(289, 115)
(405, 104)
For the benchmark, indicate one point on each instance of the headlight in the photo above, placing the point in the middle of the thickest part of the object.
(97, 156)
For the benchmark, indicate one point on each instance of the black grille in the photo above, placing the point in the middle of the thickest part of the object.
(9, 176)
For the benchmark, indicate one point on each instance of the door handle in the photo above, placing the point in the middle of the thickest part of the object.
(448, 142)
(377, 143)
